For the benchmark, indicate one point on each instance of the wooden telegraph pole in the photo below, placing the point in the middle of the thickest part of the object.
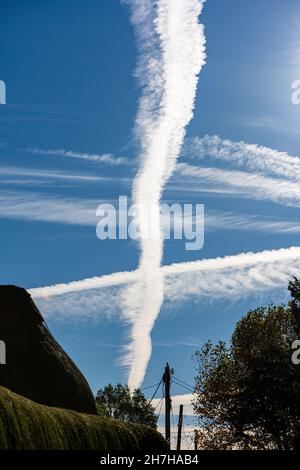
(167, 382)
(180, 420)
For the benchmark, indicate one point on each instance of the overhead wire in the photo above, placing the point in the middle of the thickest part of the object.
(184, 383)
(183, 386)
(159, 405)
(150, 386)
(156, 390)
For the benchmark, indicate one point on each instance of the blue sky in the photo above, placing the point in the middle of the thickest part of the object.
(69, 71)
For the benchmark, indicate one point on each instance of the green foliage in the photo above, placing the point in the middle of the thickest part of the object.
(248, 394)
(117, 402)
(26, 425)
(294, 288)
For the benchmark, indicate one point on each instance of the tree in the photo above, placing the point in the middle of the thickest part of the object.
(248, 393)
(119, 403)
(294, 288)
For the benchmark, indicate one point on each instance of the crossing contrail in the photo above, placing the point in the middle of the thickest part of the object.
(172, 52)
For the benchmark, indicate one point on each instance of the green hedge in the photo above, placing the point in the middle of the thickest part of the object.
(26, 425)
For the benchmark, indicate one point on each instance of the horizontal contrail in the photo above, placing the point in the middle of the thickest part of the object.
(104, 158)
(10, 171)
(255, 157)
(251, 185)
(234, 261)
(219, 220)
(97, 282)
(241, 260)
(231, 278)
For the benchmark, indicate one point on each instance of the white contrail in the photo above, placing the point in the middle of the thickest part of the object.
(9, 171)
(97, 282)
(285, 260)
(219, 220)
(172, 46)
(250, 185)
(256, 157)
(231, 278)
(104, 158)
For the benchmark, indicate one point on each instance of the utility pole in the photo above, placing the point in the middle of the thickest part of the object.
(196, 439)
(167, 381)
(180, 420)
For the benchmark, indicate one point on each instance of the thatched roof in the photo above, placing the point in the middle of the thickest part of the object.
(36, 365)
(25, 425)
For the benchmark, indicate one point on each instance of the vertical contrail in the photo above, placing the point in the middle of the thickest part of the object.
(172, 51)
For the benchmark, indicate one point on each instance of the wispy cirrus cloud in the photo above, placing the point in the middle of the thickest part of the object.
(33, 206)
(37, 206)
(92, 306)
(104, 158)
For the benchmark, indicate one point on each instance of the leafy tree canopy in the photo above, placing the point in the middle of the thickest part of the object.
(119, 403)
(248, 393)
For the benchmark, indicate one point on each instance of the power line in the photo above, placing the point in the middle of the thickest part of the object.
(183, 386)
(190, 444)
(189, 441)
(150, 386)
(173, 422)
(159, 403)
(155, 391)
(173, 426)
(184, 383)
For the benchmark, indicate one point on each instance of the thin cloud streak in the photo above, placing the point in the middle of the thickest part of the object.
(50, 174)
(32, 206)
(104, 158)
(250, 185)
(172, 44)
(255, 157)
(222, 220)
(36, 206)
(96, 282)
(218, 220)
